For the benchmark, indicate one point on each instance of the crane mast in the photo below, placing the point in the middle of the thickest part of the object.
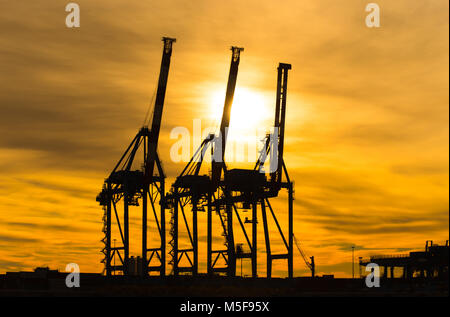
(159, 103)
(280, 119)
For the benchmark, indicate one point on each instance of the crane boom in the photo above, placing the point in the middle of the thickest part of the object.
(218, 159)
(280, 118)
(159, 104)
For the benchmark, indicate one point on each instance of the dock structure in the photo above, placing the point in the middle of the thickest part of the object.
(431, 263)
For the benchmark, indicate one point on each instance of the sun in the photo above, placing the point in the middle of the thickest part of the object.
(250, 110)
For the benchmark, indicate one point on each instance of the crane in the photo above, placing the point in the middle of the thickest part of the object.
(250, 189)
(128, 187)
(309, 263)
(195, 191)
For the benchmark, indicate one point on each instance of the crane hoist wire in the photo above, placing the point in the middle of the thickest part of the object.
(150, 109)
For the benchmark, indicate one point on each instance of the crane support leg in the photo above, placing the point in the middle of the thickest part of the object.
(175, 236)
(209, 236)
(195, 242)
(291, 232)
(144, 232)
(254, 239)
(230, 237)
(163, 226)
(267, 239)
(108, 231)
(126, 228)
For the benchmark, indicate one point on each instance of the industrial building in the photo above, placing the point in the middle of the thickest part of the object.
(431, 263)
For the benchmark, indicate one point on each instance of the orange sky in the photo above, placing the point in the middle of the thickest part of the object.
(367, 123)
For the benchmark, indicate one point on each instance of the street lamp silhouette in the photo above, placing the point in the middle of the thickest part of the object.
(353, 261)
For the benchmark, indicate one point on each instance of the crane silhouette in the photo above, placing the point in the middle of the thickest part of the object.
(310, 264)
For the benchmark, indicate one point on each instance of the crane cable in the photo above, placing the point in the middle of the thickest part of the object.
(151, 107)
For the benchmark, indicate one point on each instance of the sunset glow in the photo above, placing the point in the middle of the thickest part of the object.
(367, 124)
(250, 111)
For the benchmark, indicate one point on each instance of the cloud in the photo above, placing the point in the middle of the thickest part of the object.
(17, 239)
(44, 226)
(440, 169)
(67, 189)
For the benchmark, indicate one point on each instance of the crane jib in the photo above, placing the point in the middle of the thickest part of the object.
(158, 111)
(218, 159)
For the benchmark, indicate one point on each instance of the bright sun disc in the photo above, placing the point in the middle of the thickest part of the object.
(249, 110)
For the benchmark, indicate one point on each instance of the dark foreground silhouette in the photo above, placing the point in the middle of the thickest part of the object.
(45, 282)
